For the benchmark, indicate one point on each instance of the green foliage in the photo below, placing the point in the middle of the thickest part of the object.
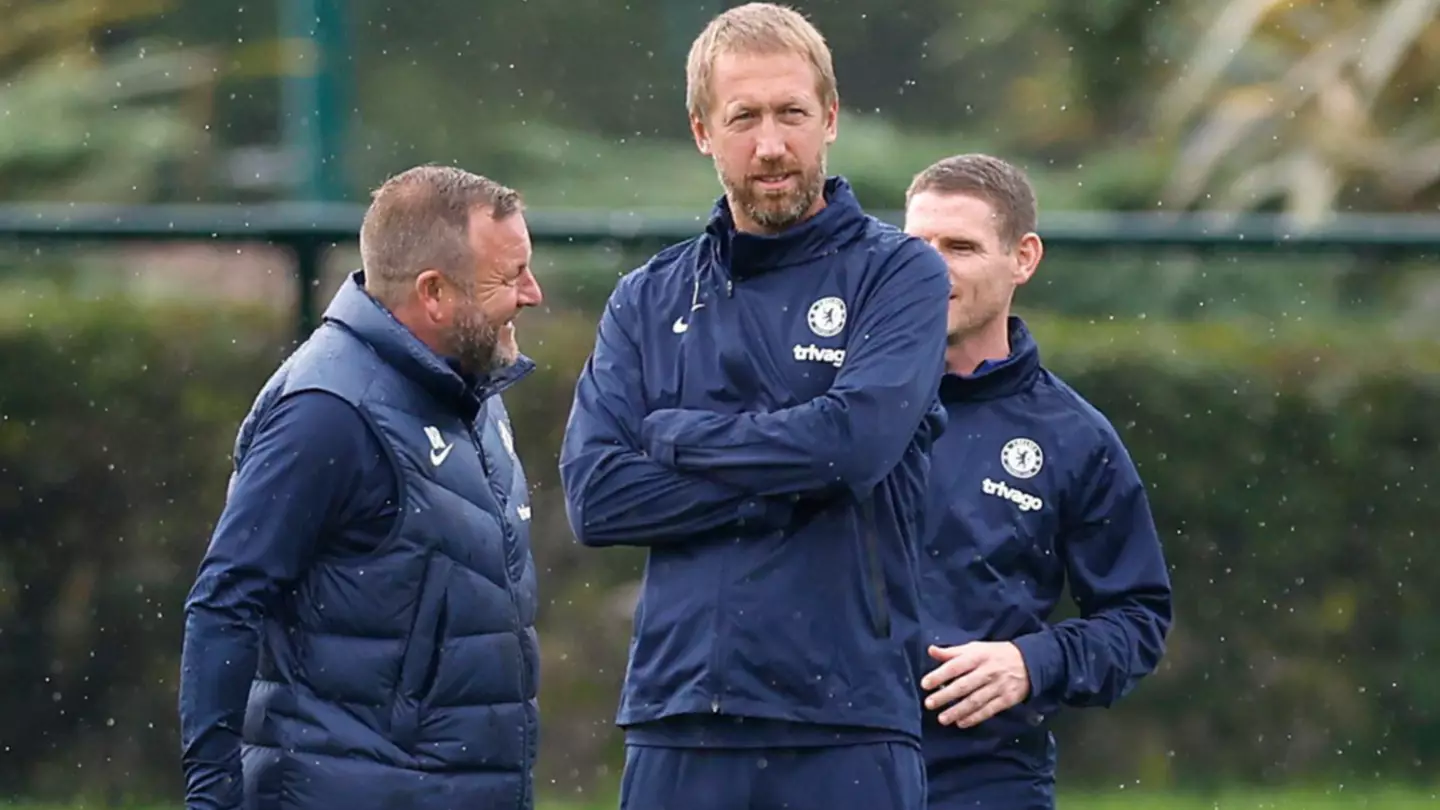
(1290, 475)
(82, 124)
(1290, 471)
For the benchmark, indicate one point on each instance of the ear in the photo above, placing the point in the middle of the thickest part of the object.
(1028, 253)
(702, 135)
(832, 120)
(430, 295)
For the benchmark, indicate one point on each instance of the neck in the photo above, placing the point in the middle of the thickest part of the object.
(411, 317)
(988, 342)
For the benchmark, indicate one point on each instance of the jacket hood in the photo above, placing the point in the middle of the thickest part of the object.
(838, 224)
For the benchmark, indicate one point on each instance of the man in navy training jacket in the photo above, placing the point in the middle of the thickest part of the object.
(361, 632)
(757, 413)
(1031, 487)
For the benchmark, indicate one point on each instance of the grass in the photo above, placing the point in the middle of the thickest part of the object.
(1331, 799)
(1256, 800)
(1282, 799)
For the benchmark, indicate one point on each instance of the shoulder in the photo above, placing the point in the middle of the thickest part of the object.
(894, 254)
(657, 271)
(332, 360)
(312, 426)
(1076, 416)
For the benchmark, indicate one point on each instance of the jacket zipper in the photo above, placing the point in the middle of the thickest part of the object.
(508, 546)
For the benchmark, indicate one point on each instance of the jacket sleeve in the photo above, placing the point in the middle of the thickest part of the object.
(302, 464)
(616, 495)
(1118, 580)
(855, 433)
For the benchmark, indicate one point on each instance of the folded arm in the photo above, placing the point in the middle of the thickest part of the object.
(615, 494)
(1119, 581)
(855, 433)
(300, 467)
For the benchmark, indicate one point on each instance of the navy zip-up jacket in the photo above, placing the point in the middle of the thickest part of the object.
(758, 412)
(1031, 488)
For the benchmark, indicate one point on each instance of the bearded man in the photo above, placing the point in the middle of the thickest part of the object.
(758, 414)
(361, 630)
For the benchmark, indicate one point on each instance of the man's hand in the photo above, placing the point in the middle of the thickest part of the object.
(981, 679)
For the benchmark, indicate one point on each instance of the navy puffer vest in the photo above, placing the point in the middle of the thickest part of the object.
(404, 678)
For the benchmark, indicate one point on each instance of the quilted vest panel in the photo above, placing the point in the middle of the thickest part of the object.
(405, 677)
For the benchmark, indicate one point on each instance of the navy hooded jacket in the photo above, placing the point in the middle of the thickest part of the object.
(758, 413)
(361, 631)
(1031, 488)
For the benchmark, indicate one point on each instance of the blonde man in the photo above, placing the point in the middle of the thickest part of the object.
(758, 413)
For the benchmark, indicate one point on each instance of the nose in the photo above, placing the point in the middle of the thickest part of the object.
(770, 144)
(528, 293)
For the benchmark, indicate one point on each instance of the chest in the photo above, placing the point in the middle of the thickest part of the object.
(457, 471)
(1000, 489)
(759, 343)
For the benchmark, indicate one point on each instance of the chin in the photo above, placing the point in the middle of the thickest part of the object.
(954, 326)
(507, 351)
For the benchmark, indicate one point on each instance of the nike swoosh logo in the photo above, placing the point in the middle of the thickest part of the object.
(438, 455)
(679, 326)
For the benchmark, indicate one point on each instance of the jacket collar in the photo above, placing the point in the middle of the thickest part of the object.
(997, 379)
(356, 311)
(839, 223)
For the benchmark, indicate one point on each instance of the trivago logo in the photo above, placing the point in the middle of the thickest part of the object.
(1024, 500)
(815, 354)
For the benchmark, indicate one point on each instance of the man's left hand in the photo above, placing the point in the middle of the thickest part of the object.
(981, 679)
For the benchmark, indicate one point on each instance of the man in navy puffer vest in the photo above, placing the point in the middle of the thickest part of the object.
(361, 631)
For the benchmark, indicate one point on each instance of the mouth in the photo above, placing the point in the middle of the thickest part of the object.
(770, 182)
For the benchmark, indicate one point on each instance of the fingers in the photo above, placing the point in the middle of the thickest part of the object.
(973, 700)
(979, 707)
(956, 664)
(958, 689)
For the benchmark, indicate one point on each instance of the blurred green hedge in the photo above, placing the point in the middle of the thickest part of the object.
(1293, 477)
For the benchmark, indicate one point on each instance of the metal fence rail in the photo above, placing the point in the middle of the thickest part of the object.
(310, 229)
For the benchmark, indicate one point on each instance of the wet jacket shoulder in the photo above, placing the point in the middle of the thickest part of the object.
(758, 411)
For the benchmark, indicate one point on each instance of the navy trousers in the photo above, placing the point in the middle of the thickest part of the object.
(870, 776)
(954, 790)
(1016, 775)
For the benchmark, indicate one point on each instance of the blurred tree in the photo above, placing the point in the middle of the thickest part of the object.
(91, 114)
(1308, 107)
(94, 117)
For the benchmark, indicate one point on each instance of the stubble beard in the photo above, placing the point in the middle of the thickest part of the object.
(776, 213)
(475, 342)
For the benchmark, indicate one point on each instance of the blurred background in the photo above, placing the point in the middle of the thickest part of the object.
(1239, 201)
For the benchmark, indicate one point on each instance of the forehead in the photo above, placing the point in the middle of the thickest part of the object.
(742, 76)
(506, 240)
(930, 214)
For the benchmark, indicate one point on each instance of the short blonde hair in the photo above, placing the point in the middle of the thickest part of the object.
(756, 28)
